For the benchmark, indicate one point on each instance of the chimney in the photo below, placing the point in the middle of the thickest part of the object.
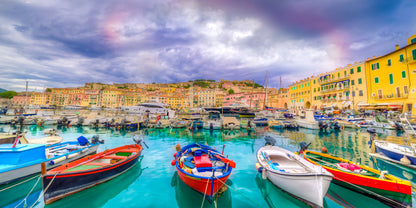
(397, 47)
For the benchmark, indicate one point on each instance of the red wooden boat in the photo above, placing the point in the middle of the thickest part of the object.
(88, 172)
(365, 180)
(203, 168)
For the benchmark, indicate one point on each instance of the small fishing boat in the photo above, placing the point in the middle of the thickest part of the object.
(180, 124)
(309, 121)
(212, 124)
(22, 160)
(89, 171)
(294, 174)
(247, 124)
(260, 121)
(203, 168)
(276, 124)
(363, 179)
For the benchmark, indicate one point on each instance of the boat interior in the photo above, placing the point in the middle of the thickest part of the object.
(204, 163)
(283, 162)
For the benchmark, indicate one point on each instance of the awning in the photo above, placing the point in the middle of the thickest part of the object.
(347, 103)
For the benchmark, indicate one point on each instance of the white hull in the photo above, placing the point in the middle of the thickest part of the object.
(307, 125)
(295, 175)
(16, 174)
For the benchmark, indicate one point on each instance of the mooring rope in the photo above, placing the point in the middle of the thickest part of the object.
(27, 195)
(259, 205)
(18, 183)
(205, 192)
(45, 189)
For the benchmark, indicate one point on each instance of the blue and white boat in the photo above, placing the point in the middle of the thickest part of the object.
(401, 154)
(18, 161)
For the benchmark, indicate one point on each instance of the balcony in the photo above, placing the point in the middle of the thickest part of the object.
(335, 79)
(346, 87)
(390, 96)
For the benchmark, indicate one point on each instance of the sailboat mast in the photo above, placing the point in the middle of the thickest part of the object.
(251, 94)
(265, 98)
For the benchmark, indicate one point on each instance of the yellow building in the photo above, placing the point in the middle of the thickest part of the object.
(300, 95)
(110, 98)
(391, 79)
(342, 88)
(218, 98)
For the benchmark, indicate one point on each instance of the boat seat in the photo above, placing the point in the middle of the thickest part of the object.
(97, 164)
(114, 157)
(202, 161)
(188, 162)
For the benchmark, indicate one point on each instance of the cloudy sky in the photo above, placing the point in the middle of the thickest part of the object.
(57, 43)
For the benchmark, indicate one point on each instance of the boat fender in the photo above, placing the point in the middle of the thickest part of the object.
(57, 160)
(324, 150)
(72, 155)
(174, 155)
(404, 160)
(173, 163)
(264, 174)
(259, 168)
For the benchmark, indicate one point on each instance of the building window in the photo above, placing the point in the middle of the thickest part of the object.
(351, 71)
(413, 41)
(338, 75)
(345, 73)
(405, 90)
(401, 58)
(414, 54)
(376, 80)
(352, 82)
(391, 78)
(380, 93)
(389, 62)
(358, 69)
(360, 81)
(403, 74)
(314, 81)
(360, 93)
(375, 66)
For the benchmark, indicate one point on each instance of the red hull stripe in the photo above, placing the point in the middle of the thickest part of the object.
(92, 172)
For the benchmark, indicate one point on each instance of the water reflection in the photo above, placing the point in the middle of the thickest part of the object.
(13, 194)
(186, 197)
(99, 195)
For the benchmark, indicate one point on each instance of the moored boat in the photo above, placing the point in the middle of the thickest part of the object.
(363, 179)
(23, 160)
(88, 172)
(294, 174)
(203, 168)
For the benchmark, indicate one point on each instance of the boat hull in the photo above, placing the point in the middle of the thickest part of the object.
(394, 155)
(297, 184)
(62, 185)
(206, 186)
(35, 168)
(371, 186)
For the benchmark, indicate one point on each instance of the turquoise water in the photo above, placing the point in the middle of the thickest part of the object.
(154, 182)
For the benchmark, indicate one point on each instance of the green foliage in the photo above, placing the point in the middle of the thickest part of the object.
(221, 84)
(48, 90)
(257, 85)
(186, 87)
(230, 91)
(8, 94)
(150, 89)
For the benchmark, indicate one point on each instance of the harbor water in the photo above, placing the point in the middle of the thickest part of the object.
(153, 182)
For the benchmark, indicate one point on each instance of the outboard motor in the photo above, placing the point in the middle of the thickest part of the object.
(139, 141)
(80, 121)
(123, 123)
(336, 125)
(322, 125)
(96, 139)
(303, 146)
(270, 140)
(211, 126)
(398, 125)
(20, 120)
(96, 122)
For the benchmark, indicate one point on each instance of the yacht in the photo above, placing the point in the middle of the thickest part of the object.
(150, 108)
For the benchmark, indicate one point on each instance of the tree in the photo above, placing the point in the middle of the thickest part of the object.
(230, 91)
(48, 90)
(8, 94)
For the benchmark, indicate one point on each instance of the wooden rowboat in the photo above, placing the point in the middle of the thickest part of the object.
(363, 179)
(203, 168)
(88, 172)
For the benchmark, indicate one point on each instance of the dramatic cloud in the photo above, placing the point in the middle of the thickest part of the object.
(67, 43)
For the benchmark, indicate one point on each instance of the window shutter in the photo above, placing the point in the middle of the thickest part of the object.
(378, 67)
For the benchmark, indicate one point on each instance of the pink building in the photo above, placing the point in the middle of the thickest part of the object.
(21, 100)
(255, 100)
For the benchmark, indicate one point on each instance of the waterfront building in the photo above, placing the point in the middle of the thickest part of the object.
(300, 95)
(20, 100)
(343, 88)
(278, 99)
(392, 79)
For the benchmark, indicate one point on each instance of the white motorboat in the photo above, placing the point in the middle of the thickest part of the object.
(309, 121)
(294, 174)
(212, 124)
(230, 123)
